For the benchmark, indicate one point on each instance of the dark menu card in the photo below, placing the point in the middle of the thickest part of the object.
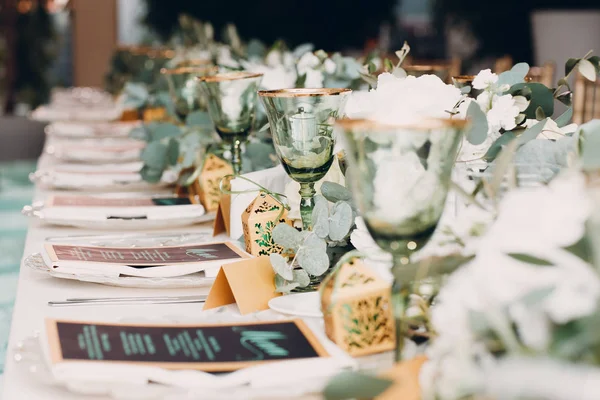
(146, 256)
(211, 348)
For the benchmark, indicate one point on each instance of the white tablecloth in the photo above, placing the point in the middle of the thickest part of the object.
(35, 290)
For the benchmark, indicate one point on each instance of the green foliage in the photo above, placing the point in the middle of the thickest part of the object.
(588, 135)
(351, 385)
(514, 76)
(478, 130)
(335, 192)
(529, 259)
(311, 248)
(539, 96)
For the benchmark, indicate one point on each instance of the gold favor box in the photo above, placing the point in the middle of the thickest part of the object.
(258, 220)
(207, 186)
(357, 309)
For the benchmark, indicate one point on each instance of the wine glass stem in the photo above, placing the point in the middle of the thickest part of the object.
(307, 203)
(236, 156)
(400, 303)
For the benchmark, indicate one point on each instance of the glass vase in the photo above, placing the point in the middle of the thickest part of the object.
(399, 177)
(301, 122)
(232, 101)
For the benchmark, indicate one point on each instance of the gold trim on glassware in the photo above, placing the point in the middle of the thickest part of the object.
(425, 67)
(464, 78)
(425, 124)
(148, 51)
(189, 70)
(229, 76)
(303, 92)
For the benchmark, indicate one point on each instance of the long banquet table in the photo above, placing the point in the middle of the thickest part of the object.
(35, 290)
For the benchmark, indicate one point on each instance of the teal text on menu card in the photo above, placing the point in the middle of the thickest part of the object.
(184, 344)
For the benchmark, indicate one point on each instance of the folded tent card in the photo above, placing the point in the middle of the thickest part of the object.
(158, 261)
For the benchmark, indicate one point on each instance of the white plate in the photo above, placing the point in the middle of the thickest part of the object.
(96, 131)
(299, 304)
(36, 261)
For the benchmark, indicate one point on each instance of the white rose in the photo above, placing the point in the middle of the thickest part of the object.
(503, 114)
(329, 66)
(307, 62)
(485, 79)
(314, 79)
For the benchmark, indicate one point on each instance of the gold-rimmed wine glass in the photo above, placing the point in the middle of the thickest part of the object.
(232, 98)
(183, 88)
(399, 176)
(301, 122)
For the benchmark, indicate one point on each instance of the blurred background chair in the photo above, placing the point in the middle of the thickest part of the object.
(586, 101)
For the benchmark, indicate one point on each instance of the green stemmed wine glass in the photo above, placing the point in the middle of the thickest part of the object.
(232, 98)
(399, 176)
(301, 123)
(183, 88)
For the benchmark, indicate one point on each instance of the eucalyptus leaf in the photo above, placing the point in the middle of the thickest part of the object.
(532, 132)
(281, 267)
(302, 49)
(313, 262)
(320, 218)
(587, 70)
(164, 130)
(565, 118)
(172, 152)
(589, 142)
(154, 155)
(595, 60)
(570, 64)
(198, 118)
(163, 99)
(478, 130)
(136, 91)
(354, 385)
(566, 98)
(497, 146)
(287, 236)
(541, 96)
(283, 286)
(139, 133)
(515, 75)
(387, 64)
(539, 114)
(502, 164)
(151, 175)
(335, 192)
(301, 278)
(529, 259)
(342, 219)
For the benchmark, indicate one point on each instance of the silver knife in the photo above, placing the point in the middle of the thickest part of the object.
(128, 301)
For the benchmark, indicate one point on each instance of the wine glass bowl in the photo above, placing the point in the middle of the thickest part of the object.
(183, 88)
(302, 122)
(232, 98)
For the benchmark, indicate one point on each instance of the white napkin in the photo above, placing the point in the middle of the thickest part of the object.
(107, 151)
(102, 213)
(92, 177)
(87, 113)
(90, 130)
(273, 179)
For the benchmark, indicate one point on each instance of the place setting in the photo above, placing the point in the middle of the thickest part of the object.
(244, 221)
